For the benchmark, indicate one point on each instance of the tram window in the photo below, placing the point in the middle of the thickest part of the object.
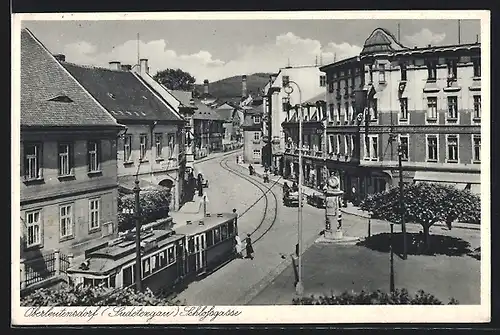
(163, 258)
(128, 276)
(112, 281)
(210, 238)
(171, 255)
(230, 228)
(155, 262)
(88, 282)
(99, 282)
(146, 270)
(191, 245)
(216, 235)
(224, 232)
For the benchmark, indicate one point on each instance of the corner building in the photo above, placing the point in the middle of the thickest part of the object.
(428, 100)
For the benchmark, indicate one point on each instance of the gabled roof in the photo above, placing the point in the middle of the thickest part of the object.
(313, 100)
(184, 97)
(205, 113)
(122, 93)
(50, 96)
(381, 40)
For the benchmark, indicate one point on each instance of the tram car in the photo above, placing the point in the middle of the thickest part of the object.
(169, 256)
(316, 200)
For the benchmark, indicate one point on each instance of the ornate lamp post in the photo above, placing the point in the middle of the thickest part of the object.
(299, 288)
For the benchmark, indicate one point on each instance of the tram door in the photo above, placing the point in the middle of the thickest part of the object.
(199, 249)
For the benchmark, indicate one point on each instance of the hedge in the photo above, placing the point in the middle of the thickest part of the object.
(154, 205)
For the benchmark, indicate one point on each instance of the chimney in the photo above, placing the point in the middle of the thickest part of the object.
(244, 86)
(143, 63)
(205, 86)
(60, 57)
(115, 65)
(126, 67)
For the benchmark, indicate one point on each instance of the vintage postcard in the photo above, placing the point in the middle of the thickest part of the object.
(251, 167)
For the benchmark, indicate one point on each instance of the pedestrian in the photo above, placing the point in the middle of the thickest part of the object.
(295, 188)
(238, 247)
(200, 184)
(250, 169)
(354, 196)
(249, 247)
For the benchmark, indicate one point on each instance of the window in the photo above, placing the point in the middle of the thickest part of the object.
(217, 235)
(330, 143)
(285, 80)
(347, 114)
(170, 255)
(347, 144)
(431, 70)
(370, 73)
(404, 145)
(256, 119)
(373, 146)
(155, 263)
(285, 102)
(381, 73)
(158, 144)
(432, 148)
(352, 144)
(171, 145)
(476, 154)
(452, 145)
(33, 228)
(477, 67)
(403, 72)
(353, 83)
(128, 276)
(94, 213)
(112, 281)
(256, 136)
(403, 115)
(452, 108)
(65, 165)
(146, 267)
(66, 220)
(373, 110)
(322, 81)
(143, 146)
(331, 87)
(127, 148)
(337, 145)
(452, 70)
(477, 107)
(223, 230)
(230, 228)
(331, 114)
(32, 161)
(210, 238)
(432, 108)
(256, 154)
(339, 110)
(93, 156)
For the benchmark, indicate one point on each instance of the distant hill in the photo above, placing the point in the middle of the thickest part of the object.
(231, 87)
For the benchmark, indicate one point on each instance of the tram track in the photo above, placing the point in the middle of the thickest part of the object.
(265, 192)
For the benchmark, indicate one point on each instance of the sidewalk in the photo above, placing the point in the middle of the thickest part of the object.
(216, 155)
(351, 209)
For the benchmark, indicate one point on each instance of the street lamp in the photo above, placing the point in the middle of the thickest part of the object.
(391, 279)
(299, 288)
(137, 211)
(401, 202)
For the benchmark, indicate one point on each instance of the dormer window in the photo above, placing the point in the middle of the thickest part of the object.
(61, 98)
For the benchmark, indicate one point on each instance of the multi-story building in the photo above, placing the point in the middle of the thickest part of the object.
(311, 82)
(152, 147)
(208, 130)
(68, 186)
(252, 136)
(424, 101)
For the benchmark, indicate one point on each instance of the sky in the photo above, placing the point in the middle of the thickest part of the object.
(216, 49)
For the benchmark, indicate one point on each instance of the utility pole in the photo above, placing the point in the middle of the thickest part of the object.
(459, 40)
(391, 278)
(270, 123)
(401, 202)
(138, 280)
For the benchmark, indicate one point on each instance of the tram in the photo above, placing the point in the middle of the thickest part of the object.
(169, 256)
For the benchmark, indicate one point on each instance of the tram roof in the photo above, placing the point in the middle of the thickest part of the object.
(103, 261)
(208, 223)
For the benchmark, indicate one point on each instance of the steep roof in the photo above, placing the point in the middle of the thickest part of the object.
(313, 100)
(184, 97)
(122, 93)
(205, 113)
(49, 95)
(381, 40)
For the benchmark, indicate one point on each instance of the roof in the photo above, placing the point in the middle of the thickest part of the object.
(208, 223)
(225, 113)
(313, 100)
(381, 40)
(50, 96)
(340, 63)
(122, 93)
(205, 113)
(184, 97)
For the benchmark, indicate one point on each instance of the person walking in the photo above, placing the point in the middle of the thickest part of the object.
(238, 247)
(249, 247)
(200, 184)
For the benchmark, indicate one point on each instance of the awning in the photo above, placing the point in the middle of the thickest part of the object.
(448, 177)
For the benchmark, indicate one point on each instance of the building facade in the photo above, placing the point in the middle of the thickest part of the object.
(152, 147)
(253, 141)
(311, 82)
(426, 102)
(68, 183)
(208, 129)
